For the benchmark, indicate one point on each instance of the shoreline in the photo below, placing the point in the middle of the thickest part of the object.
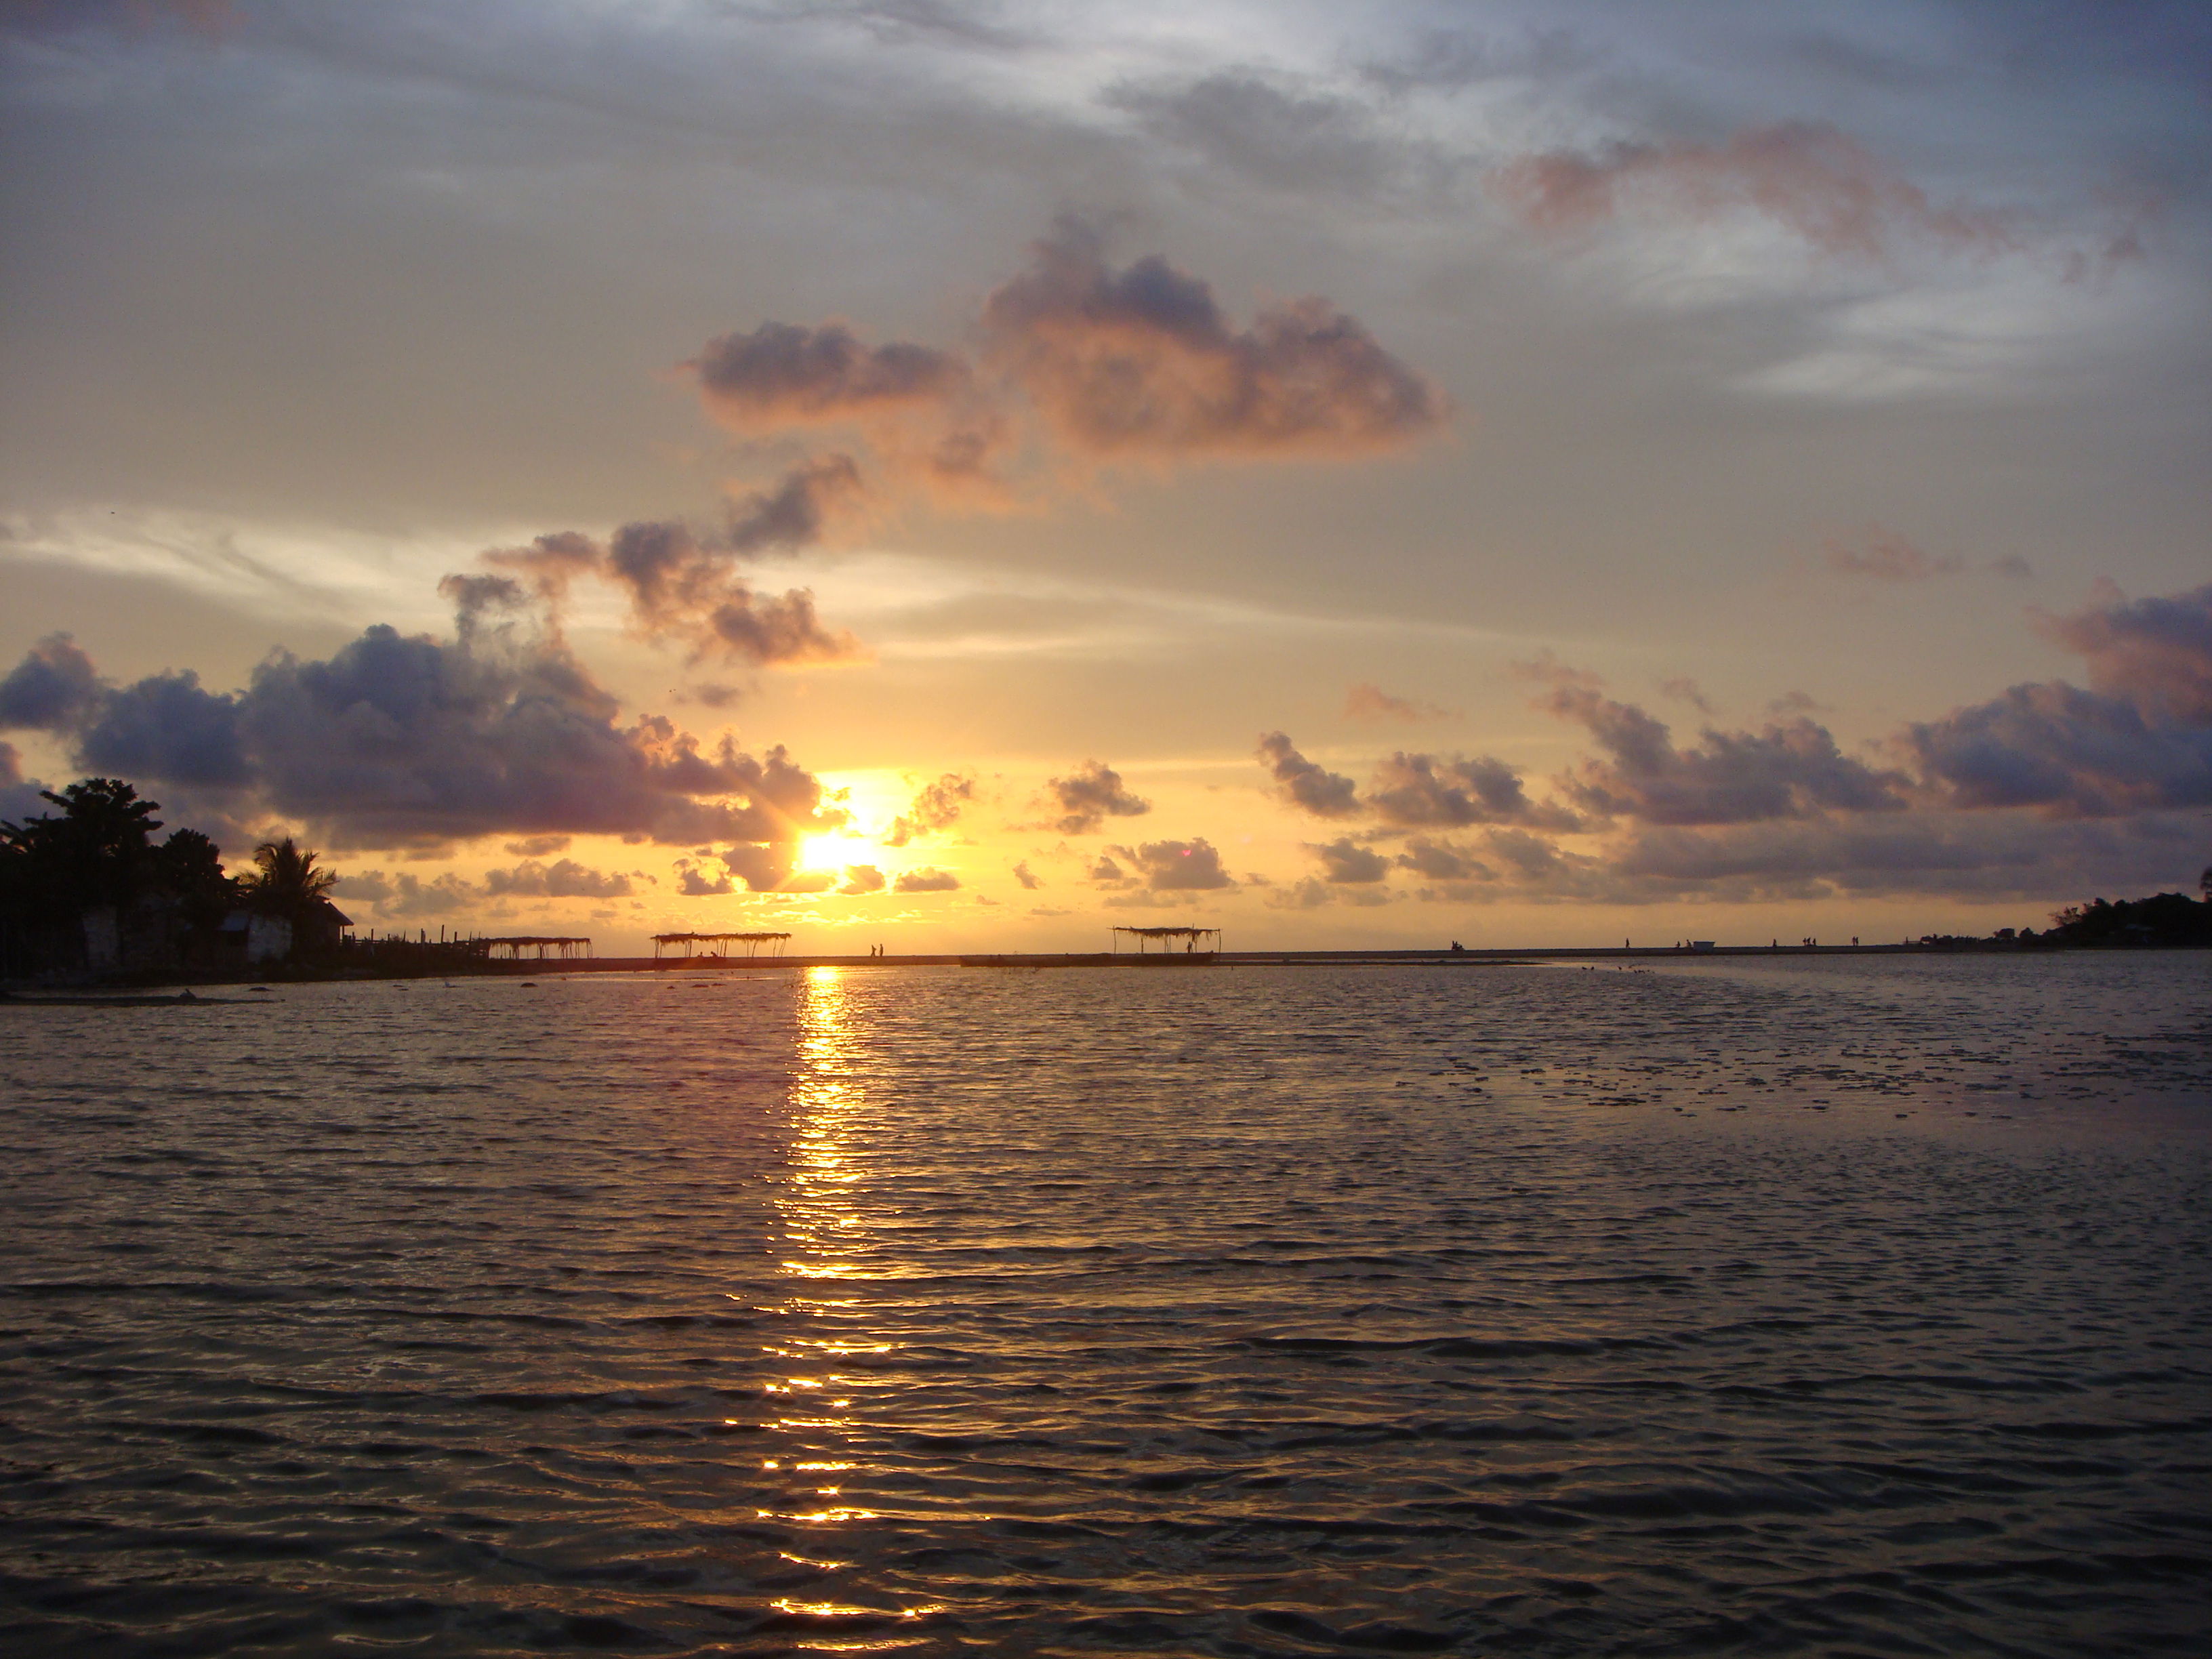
(24, 990)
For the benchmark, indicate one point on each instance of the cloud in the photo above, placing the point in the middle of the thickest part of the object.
(1105, 872)
(1313, 892)
(1174, 867)
(1370, 701)
(1411, 791)
(404, 895)
(1029, 878)
(1140, 363)
(565, 878)
(936, 806)
(685, 586)
(399, 739)
(1886, 556)
(1683, 689)
(2066, 752)
(165, 726)
(20, 797)
(927, 879)
(538, 846)
(1791, 769)
(1991, 855)
(1090, 795)
(1810, 179)
(1440, 860)
(861, 879)
(2156, 652)
(1346, 863)
(1305, 784)
(1079, 363)
(1278, 137)
(2141, 740)
(780, 375)
(692, 882)
(684, 583)
(47, 688)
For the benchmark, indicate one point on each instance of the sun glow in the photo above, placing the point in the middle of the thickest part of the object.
(832, 852)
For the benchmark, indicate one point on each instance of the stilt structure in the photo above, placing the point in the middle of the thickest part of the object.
(692, 942)
(515, 948)
(1166, 938)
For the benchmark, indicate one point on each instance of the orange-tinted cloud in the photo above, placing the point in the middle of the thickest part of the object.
(1811, 178)
(1370, 701)
(1082, 364)
(2157, 651)
(1886, 556)
(1141, 363)
(935, 806)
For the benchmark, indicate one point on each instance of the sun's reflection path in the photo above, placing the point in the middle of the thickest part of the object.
(823, 1473)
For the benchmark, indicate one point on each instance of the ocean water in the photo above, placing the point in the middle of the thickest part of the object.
(1839, 1306)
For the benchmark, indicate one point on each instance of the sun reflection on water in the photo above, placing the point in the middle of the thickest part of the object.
(827, 1231)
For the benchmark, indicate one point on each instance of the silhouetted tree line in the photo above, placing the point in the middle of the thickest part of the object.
(2163, 919)
(89, 887)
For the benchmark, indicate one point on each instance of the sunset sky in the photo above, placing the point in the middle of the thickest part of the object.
(967, 476)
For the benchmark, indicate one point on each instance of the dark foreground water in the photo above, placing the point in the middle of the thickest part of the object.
(1834, 1307)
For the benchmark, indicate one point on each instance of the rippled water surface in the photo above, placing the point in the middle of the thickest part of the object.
(1835, 1306)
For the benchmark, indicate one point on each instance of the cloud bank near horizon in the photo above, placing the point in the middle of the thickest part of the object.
(399, 741)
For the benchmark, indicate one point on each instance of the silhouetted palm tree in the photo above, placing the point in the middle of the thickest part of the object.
(286, 881)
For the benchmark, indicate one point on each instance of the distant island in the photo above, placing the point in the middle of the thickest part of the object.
(2164, 920)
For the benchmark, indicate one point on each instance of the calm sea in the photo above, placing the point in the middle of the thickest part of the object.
(1830, 1306)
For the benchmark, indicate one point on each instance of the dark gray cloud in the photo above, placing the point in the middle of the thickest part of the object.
(166, 727)
(401, 738)
(1983, 855)
(861, 879)
(1418, 791)
(1306, 784)
(936, 806)
(1140, 361)
(1028, 878)
(780, 374)
(1090, 795)
(694, 881)
(927, 879)
(20, 797)
(538, 846)
(1344, 862)
(2067, 751)
(1442, 860)
(1791, 769)
(686, 584)
(54, 683)
(563, 878)
(2141, 741)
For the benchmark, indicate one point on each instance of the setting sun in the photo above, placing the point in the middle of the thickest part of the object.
(831, 852)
